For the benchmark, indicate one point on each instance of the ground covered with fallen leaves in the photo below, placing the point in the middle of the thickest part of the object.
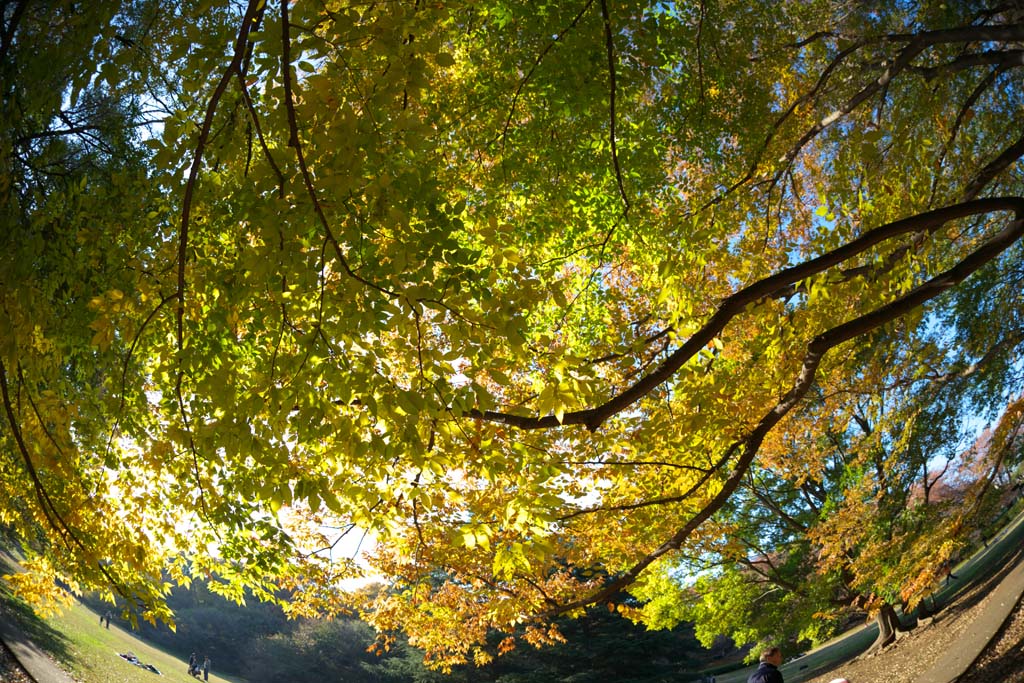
(10, 670)
(914, 652)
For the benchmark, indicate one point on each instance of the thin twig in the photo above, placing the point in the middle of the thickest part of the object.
(610, 49)
(295, 143)
(536, 63)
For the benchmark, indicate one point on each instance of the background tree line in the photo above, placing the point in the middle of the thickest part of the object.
(258, 642)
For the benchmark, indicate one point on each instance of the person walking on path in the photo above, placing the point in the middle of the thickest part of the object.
(768, 670)
(206, 668)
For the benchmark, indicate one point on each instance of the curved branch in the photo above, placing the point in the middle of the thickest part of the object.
(899, 64)
(7, 37)
(247, 98)
(816, 351)
(295, 143)
(241, 43)
(736, 304)
(197, 157)
(536, 63)
(127, 361)
(1009, 156)
(806, 97)
(1004, 59)
(46, 504)
(915, 44)
(961, 115)
(661, 501)
(770, 503)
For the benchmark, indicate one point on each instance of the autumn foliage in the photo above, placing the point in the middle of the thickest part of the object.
(544, 301)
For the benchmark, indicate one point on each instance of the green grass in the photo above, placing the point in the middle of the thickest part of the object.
(88, 651)
(93, 652)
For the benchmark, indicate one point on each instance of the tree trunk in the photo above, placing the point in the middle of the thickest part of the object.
(889, 625)
(926, 611)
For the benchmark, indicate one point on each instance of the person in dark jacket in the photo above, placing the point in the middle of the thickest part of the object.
(768, 670)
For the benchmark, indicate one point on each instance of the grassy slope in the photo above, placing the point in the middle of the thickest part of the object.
(94, 652)
(88, 651)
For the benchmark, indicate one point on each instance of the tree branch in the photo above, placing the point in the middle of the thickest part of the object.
(736, 304)
(610, 49)
(536, 63)
(1004, 59)
(295, 143)
(197, 158)
(816, 351)
(46, 504)
(1010, 155)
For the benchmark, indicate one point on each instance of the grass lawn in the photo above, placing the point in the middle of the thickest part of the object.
(92, 652)
(88, 651)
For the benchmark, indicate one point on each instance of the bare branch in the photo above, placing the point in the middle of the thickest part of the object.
(1002, 58)
(8, 34)
(610, 49)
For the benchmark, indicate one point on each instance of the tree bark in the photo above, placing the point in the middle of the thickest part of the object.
(889, 625)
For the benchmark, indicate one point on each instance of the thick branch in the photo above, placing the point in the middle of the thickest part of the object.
(8, 34)
(1002, 58)
(1009, 156)
(816, 350)
(736, 304)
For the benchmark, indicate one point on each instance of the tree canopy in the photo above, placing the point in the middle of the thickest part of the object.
(544, 298)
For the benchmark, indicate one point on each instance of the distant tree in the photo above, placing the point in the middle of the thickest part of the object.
(896, 494)
(331, 650)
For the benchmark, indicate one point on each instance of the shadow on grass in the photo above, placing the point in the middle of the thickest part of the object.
(21, 624)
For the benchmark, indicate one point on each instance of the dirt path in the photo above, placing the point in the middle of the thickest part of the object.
(10, 670)
(966, 630)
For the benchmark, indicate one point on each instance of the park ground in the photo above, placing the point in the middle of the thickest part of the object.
(75, 643)
(78, 645)
(968, 604)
